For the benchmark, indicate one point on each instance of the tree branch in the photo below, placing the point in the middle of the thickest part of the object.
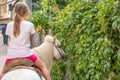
(14, 4)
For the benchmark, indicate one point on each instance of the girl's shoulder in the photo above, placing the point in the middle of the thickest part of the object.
(10, 23)
(28, 22)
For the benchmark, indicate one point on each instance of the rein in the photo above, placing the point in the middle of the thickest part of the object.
(54, 40)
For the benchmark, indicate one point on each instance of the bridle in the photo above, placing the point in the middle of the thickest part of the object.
(54, 41)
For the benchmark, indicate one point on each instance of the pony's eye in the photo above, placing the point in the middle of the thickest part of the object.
(59, 46)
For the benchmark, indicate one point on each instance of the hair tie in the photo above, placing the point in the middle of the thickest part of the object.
(16, 11)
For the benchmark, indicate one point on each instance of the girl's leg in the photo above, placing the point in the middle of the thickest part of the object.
(4, 69)
(38, 63)
(5, 66)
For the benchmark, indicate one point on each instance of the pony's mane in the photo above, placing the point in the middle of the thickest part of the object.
(50, 39)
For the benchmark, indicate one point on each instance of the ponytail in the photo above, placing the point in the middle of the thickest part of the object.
(17, 21)
(21, 9)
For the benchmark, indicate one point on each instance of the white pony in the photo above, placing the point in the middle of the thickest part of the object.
(49, 49)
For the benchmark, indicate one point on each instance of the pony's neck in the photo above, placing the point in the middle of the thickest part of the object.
(46, 44)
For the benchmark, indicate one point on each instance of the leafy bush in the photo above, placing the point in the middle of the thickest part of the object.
(89, 33)
(86, 31)
(39, 18)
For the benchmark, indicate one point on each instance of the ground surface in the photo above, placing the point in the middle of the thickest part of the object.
(3, 51)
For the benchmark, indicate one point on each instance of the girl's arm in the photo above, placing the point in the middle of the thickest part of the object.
(31, 38)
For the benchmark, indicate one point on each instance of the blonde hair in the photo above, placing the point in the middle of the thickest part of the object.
(21, 9)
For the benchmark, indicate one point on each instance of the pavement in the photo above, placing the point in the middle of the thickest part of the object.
(3, 52)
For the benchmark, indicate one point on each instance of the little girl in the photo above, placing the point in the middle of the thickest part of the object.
(20, 32)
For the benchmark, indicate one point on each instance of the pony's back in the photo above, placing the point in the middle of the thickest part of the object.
(22, 74)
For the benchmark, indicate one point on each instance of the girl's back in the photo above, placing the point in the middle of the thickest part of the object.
(20, 46)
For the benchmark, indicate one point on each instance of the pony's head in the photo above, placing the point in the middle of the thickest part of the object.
(58, 51)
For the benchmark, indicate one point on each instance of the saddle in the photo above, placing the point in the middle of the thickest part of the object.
(22, 63)
(19, 62)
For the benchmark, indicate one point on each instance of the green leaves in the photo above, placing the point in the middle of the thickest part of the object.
(85, 27)
(89, 34)
(39, 18)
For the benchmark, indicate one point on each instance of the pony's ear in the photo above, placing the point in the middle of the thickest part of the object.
(57, 42)
(49, 38)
